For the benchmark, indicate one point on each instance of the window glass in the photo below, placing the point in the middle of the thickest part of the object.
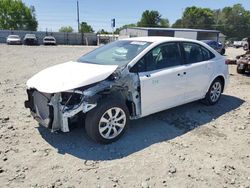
(206, 54)
(195, 53)
(116, 53)
(163, 56)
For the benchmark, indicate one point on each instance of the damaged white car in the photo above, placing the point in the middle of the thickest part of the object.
(124, 80)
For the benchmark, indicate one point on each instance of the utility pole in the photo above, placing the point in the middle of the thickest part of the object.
(78, 21)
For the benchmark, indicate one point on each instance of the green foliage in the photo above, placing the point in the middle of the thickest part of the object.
(15, 15)
(117, 31)
(85, 28)
(164, 22)
(152, 19)
(196, 18)
(178, 24)
(102, 31)
(66, 29)
(233, 21)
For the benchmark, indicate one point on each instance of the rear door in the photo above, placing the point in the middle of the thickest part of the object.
(199, 70)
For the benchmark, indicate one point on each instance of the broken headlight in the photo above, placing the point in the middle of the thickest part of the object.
(71, 99)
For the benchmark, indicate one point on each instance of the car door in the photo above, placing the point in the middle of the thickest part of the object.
(161, 78)
(198, 70)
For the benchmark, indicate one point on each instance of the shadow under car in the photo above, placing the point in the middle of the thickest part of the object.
(142, 133)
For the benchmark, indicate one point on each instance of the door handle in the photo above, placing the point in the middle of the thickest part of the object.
(148, 75)
(179, 74)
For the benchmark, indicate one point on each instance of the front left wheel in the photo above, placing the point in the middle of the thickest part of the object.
(108, 121)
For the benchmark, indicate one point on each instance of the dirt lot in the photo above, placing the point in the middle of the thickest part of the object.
(189, 146)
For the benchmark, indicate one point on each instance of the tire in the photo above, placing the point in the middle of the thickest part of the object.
(108, 116)
(245, 47)
(241, 71)
(223, 51)
(214, 93)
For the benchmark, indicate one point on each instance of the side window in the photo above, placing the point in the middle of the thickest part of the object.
(195, 53)
(163, 56)
(207, 55)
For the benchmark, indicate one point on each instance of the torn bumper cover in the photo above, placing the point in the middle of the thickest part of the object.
(54, 110)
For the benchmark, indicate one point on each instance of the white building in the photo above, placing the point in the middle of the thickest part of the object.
(197, 34)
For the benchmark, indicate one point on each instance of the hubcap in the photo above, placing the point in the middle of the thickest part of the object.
(215, 91)
(112, 123)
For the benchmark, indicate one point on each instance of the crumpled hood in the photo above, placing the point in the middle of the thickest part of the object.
(69, 76)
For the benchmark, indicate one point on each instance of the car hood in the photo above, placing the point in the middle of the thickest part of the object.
(68, 76)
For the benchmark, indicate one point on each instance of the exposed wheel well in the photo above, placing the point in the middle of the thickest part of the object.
(118, 95)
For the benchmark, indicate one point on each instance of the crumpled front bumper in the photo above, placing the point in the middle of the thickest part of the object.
(38, 103)
(48, 110)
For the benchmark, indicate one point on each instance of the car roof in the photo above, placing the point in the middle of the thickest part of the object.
(49, 37)
(13, 36)
(159, 39)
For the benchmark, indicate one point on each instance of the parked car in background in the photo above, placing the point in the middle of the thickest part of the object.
(216, 45)
(13, 39)
(123, 80)
(243, 43)
(30, 39)
(49, 40)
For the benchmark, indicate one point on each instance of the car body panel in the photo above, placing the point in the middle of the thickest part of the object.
(69, 76)
(161, 89)
(13, 39)
(145, 93)
(49, 40)
(30, 39)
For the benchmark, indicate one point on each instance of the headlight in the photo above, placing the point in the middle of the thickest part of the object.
(71, 99)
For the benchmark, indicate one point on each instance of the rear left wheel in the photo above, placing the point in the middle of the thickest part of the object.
(223, 51)
(214, 93)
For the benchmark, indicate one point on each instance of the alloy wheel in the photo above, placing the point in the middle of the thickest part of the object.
(215, 92)
(112, 123)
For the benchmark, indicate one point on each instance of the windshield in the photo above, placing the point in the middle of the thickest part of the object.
(116, 53)
(13, 37)
(30, 36)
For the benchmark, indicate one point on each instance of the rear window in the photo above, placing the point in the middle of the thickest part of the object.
(195, 53)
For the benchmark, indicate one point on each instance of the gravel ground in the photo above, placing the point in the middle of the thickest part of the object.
(189, 146)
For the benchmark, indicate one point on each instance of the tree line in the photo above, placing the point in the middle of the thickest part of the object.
(233, 21)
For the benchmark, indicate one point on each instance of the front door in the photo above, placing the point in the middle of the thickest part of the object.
(162, 79)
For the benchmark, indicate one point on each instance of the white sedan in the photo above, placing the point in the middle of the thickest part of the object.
(124, 80)
(13, 39)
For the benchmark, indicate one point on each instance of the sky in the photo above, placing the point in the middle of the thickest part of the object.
(52, 14)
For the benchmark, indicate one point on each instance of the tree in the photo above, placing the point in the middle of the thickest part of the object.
(233, 21)
(117, 31)
(102, 31)
(178, 24)
(85, 28)
(199, 18)
(150, 19)
(66, 29)
(14, 14)
(164, 22)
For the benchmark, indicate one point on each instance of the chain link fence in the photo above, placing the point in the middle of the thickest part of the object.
(61, 38)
